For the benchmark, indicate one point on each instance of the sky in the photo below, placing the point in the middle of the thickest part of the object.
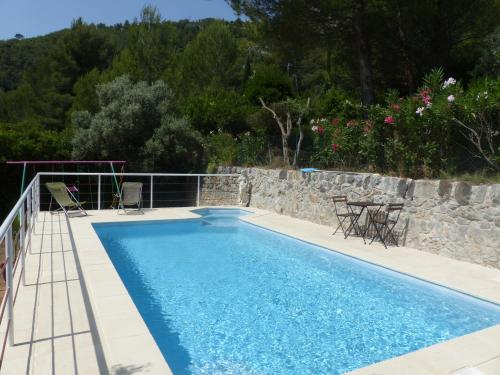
(39, 17)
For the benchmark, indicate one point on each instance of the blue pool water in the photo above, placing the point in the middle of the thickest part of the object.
(221, 296)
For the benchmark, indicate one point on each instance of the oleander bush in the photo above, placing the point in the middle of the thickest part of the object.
(418, 135)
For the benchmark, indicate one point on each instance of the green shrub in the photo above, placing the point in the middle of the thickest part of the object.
(252, 149)
(221, 149)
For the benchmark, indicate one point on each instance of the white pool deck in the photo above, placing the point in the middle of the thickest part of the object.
(74, 316)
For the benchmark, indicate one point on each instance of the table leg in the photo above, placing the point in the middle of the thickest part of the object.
(375, 225)
(354, 223)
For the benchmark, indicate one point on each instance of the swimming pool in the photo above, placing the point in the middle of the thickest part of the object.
(221, 296)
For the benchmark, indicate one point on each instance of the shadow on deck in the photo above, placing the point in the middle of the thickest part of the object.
(54, 326)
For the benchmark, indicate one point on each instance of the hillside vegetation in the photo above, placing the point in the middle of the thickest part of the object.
(409, 88)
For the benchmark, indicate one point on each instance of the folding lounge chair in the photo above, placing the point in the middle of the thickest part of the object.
(131, 195)
(343, 215)
(66, 200)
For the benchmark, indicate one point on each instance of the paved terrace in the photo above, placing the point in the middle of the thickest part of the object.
(74, 316)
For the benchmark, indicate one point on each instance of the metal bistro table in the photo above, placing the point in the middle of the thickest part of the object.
(371, 215)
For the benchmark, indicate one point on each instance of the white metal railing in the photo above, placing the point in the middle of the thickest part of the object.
(151, 176)
(26, 211)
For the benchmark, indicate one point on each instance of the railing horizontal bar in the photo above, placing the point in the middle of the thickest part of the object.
(66, 161)
(139, 174)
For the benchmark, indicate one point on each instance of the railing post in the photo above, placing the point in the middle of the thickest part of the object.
(37, 197)
(22, 241)
(34, 205)
(151, 194)
(9, 254)
(28, 208)
(29, 202)
(198, 193)
(99, 192)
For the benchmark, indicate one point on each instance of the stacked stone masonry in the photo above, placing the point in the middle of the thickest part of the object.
(217, 191)
(454, 219)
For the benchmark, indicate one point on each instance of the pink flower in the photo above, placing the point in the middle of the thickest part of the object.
(321, 130)
(426, 98)
(335, 147)
(389, 120)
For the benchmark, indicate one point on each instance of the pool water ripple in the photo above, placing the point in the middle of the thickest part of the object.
(221, 296)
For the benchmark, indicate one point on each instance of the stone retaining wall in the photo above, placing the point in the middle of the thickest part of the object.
(453, 219)
(219, 191)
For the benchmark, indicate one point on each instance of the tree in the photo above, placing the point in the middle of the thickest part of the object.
(135, 123)
(477, 114)
(304, 21)
(287, 114)
(216, 109)
(175, 146)
(81, 49)
(149, 47)
(208, 60)
(269, 83)
(394, 42)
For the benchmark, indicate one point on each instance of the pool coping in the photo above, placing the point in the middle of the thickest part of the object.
(111, 301)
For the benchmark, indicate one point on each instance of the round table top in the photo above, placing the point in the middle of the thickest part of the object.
(364, 204)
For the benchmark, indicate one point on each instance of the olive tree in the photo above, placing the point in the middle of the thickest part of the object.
(135, 123)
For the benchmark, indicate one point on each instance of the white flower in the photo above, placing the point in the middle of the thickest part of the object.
(314, 128)
(482, 94)
(451, 98)
(247, 134)
(420, 111)
(428, 105)
(449, 82)
(312, 121)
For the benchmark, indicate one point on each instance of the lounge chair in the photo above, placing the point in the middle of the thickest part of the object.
(65, 198)
(131, 195)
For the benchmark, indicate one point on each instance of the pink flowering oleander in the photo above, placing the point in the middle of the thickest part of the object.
(389, 120)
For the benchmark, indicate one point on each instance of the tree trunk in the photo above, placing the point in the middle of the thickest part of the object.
(286, 157)
(363, 46)
(299, 145)
(405, 51)
(301, 134)
(285, 132)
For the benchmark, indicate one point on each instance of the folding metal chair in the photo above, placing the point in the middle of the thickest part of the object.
(384, 223)
(343, 215)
